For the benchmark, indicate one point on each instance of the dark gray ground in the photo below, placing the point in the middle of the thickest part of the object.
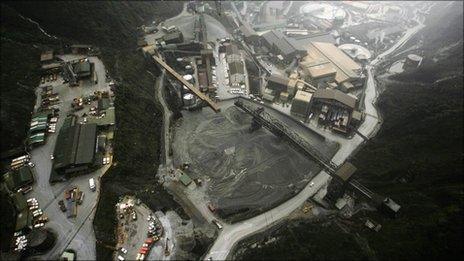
(247, 171)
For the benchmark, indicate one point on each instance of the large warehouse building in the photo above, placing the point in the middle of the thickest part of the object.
(277, 43)
(327, 63)
(75, 148)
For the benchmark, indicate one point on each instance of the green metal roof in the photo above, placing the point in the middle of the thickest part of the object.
(104, 103)
(23, 219)
(38, 137)
(69, 121)
(82, 68)
(18, 178)
(38, 127)
(87, 144)
(75, 145)
(185, 179)
(108, 119)
(40, 119)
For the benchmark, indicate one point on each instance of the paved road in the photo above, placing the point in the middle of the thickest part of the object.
(232, 234)
(76, 233)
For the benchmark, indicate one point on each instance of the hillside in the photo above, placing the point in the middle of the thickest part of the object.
(416, 159)
(111, 26)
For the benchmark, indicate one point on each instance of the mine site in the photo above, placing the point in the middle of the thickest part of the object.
(215, 128)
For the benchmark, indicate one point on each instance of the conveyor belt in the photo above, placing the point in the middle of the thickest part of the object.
(197, 92)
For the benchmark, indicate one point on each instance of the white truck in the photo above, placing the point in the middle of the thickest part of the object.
(92, 184)
(217, 224)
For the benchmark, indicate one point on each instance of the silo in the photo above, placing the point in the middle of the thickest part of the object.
(188, 99)
(413, 61)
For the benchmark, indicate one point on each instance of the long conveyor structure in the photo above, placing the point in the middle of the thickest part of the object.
(178, 77)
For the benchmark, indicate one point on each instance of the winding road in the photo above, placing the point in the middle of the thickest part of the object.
(231, 234)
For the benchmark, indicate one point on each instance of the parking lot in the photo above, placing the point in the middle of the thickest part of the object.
(76, 233)
(132, 232)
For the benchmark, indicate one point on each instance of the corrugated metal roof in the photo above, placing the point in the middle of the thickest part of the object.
(321, 53)
(87, 143)
(231, 49)
(303, 96)
(108, 119)
(274, 78)
(185, 179)
(82, 67)
(38, 127)
(337, 95)
(338, 58)
(247, 31)
(346, 171)
(75, 145)
(236, 67)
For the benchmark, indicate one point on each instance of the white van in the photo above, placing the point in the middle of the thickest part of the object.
(217, 224)
(92, 184)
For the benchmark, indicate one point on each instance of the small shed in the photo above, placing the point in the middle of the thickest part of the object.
(185, 179)
(346, 171)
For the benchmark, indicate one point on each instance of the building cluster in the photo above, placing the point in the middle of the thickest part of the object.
(29, 218)
(235, 65)
(81, 147)
(75, 71)
(42, 124)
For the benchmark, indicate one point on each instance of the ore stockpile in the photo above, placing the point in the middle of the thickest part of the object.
(247, 172)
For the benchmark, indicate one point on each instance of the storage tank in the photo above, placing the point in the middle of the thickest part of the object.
(188, 77)
(188, 69)
(413, 61)
(188, 99)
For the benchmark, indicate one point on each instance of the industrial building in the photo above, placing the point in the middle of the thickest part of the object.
(236, 73)
(279, 44)
(232, 53)
(323, 60)
(23, 215)
(83, 69)
(80, 48)
(335, 98)
(18, 178)
(46, 56)
(277, 83)
(105, 120)
(174, 37)
(75, 147)
(301, 104)
(248, 33)
(335, 109)
(38, 128)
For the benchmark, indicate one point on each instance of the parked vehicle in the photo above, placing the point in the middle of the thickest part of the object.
(80, 197)
(62, 206)
(219, 226)
(211, 207)
(92, 184)
(39, 225)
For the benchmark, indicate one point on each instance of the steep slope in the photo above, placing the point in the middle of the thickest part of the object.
(112, 26)
(416, 159)
(21, 43)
